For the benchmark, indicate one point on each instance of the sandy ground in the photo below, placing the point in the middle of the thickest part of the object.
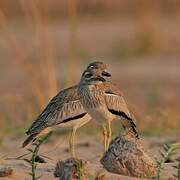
(87, 148)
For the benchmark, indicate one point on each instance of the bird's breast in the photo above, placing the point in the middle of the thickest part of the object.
(91, 97)
(100, 114)
(93, 100)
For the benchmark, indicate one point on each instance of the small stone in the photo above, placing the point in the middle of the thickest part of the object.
(6, 172)
(71, 169)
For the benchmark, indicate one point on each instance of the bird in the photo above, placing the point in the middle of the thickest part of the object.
(104, 101)
(63, 110)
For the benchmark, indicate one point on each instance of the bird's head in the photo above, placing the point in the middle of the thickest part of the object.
(99, 66)
(96, 72)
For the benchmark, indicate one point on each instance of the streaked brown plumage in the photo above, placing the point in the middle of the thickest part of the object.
(65, 109)
(70, 106)
(58, 110)
(104, 102)
(117, 105)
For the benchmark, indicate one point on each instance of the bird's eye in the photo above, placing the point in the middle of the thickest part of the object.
(87, 74)
(91, 67)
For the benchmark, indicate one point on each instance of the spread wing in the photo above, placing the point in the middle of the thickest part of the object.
(63, 107)
(116, 104)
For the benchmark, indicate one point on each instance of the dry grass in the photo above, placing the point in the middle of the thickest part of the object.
(39, 72)
(41, 54)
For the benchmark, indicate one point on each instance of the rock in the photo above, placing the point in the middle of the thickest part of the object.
(126, 156)
(71, 169)
(4, 172)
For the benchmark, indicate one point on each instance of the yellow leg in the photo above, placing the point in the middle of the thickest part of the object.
(109, 134)
(105, 137)
(71, 142)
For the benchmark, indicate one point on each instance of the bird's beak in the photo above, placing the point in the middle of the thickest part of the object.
(105, 73)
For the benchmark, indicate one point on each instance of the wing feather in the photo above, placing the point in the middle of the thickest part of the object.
(65, 105)
(117, 105)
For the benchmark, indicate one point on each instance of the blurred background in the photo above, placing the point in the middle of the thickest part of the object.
(45, 45)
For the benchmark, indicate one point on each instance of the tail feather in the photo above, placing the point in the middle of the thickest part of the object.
(134, 129)
(29, 139)
(131, 125)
